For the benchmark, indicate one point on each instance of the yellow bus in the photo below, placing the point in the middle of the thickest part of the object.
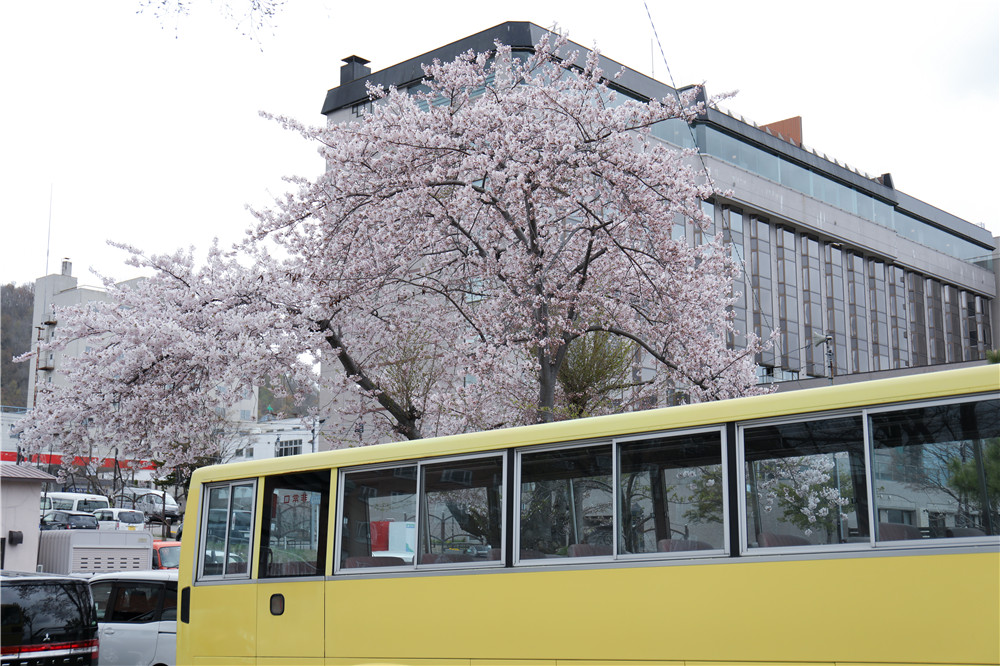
(852, 524)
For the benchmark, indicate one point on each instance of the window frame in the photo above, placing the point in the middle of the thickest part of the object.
(205, 508)
(742, 494)
(726, 518)
(323, 524)
(420, 464)
(515, 522)
(876, 544)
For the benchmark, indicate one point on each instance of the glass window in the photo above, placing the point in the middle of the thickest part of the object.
(566, 503)
(228, 528)
(805, 483)
(671, 494)
(379, 527)
(938, 471)
(102, 597)
(135, 602)
(462, 511)
(293, 540)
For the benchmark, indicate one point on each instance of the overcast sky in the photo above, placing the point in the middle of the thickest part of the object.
(146, 131)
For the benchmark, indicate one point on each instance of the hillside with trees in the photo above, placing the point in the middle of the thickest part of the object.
(16, 304)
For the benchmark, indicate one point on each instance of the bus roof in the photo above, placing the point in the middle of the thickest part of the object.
(979, 379)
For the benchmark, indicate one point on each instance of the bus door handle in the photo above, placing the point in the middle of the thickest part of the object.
(186, 605)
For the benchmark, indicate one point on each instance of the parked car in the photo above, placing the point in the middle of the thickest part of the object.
(68, 520)
(137, 615)
(156, 504)
(72, 502)
(166, 554)
(120, 519)
(47, 619)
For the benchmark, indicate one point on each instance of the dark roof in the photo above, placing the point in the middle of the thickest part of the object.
(524, 35)
(516, 34)
(24, 472)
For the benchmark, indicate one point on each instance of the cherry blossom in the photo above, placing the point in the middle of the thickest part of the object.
(463, 236)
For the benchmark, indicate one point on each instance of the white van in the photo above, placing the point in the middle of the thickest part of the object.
(137, 616)
(130, 520)
(72, 502)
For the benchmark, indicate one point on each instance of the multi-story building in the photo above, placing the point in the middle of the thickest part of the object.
(278, 438)
(859, 278)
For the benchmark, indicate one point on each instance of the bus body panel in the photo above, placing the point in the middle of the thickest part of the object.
(228, 612)
(298, 631)
(910, 609)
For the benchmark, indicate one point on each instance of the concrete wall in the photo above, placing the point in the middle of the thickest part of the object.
(19, 500)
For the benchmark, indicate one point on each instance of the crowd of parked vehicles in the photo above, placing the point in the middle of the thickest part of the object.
(84, 616)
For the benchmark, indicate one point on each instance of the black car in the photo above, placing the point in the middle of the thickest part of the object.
(47, 619)
(68, 520)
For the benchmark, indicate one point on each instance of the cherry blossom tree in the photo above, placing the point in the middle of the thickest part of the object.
(526, 202)
(465, 236)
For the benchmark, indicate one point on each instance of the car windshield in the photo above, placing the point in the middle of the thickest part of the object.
(170, 557)
(83, 521)
(133, 517)
(92, 505)
(46, 612)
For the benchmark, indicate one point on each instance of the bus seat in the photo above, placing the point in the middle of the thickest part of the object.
(362, 561)
(678, 545)
(589, 550)
(953, 532)
(442, 558)
(773, 540)
(531, 554)
(897, 532)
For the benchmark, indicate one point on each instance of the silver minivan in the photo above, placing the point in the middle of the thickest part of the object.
(137, 616)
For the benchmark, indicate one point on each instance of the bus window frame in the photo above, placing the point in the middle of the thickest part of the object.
(515, 524)
(203, 510)
(743, 493)
(726, 518)
(419, 463)
(876, 544)
(504, 503)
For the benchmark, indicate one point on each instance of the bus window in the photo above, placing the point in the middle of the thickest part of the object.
(293, 535)
(228, 528)
(805, 483)
(671, 494)
(937, 471)
(462, 511)
(566, 503)
(379, 518)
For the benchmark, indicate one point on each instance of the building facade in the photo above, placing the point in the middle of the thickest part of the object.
(858, 278)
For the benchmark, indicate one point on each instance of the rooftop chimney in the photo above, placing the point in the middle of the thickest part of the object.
(67, 267)
(354, 69)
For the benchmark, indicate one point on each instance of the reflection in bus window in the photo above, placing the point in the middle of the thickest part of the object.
(379, 518)
(937, 471)
(566, 503)
(671, 494)
(462, 511)
(806, 483)
(294, 533)
(228, 526)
